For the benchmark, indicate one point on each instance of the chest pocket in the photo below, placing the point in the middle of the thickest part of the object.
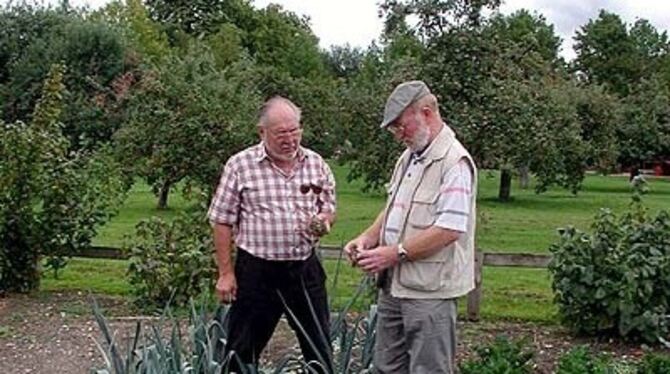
(304, 198)
(424, 208)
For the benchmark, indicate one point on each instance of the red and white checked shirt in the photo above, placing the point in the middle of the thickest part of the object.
(268, 210)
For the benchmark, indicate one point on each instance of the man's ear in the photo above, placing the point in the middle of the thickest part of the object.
(426, 111)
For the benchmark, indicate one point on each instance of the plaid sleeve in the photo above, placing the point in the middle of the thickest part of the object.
(225, 205)
(453, 205)
(328, 194)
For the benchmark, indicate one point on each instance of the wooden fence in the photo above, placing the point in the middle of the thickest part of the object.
(524, 260)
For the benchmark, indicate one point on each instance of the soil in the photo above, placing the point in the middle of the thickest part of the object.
(56, 333)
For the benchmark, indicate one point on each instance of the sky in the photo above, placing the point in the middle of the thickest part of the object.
(356, 22)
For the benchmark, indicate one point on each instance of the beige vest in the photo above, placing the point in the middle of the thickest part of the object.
(450, 272)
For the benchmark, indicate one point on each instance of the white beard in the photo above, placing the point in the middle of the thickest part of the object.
(420, 139)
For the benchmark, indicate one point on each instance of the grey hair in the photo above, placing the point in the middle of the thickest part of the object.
(272, 102)
(428, 100)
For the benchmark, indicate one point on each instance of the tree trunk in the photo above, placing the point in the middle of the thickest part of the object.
(524, 177)
(505, 185)
(163, 195)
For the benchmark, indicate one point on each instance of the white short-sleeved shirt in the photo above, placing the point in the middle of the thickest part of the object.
(453, 204)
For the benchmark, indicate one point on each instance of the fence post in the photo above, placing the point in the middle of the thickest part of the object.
(475, 296)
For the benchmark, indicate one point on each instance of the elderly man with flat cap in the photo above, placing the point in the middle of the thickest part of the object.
(421, 246)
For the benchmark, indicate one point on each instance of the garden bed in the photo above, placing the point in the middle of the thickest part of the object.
(56, 331)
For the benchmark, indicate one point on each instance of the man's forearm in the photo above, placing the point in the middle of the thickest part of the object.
(429, 241)
(374, 230)
(223, 238)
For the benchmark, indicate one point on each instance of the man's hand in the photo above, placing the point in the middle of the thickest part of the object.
(377, 259)
(356, 246)
(226, 288)
(319, 225)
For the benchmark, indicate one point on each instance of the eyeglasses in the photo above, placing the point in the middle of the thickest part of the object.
(305, 188)
(286, 133)
(396, 127)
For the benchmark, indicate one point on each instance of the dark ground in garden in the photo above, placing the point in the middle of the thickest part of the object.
(56, 333)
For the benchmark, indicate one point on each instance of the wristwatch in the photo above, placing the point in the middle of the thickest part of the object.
(402, 253)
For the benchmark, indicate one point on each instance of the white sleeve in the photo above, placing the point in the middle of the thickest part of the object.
(453, 205)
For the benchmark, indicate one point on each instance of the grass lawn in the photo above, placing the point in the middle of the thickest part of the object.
(509, 293)
(527, 223)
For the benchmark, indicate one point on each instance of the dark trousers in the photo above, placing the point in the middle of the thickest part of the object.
(253, 316)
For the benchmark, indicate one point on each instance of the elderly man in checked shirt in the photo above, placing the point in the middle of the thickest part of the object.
(421, 246)
(274, 200)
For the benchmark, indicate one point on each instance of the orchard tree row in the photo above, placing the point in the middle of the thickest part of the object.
(165, 91)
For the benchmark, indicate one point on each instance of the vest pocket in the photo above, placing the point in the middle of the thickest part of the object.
(422, 275)
(422, 215)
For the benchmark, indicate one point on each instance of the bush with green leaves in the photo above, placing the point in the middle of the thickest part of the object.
(171, 261)
(500, 356)
(616, 279)
(580, 360)
(52, 200)
(98, 76)
(654, 363)
(185, 118)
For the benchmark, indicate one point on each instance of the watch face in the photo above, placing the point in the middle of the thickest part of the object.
(402, 254)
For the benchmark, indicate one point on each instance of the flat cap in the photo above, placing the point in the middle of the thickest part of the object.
(404, 95)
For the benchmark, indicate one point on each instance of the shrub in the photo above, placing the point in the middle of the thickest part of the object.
(51, 199)
(171, 260)
(617, 279)
(580, 361)
(654, 363)
(501, 356)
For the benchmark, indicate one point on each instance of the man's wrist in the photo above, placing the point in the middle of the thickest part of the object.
(403, 255)
(368, 240)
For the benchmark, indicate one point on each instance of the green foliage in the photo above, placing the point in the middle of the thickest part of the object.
(580, 361)
(600, 118)
(197, 18)
(501, 86)
(132, 18)
(171, 261)
(369, 150)
(185, 118)
(605, 52)
(162, 348)
(344, 61)
(96, 77)
(619, 55)
(52, 201)
(529, 30)
(22, 24)
(616, 279)
(436, 16)
(283, 40)
(632, 61)
(654, 363)
(153, 351)
(645, 132)
(502, 356)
